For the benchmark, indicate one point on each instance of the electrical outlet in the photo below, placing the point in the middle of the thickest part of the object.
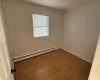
(69, 46)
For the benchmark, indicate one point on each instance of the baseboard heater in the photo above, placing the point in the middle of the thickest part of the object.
(16, 59)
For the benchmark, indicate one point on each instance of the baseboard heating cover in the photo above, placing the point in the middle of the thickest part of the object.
(16, 59)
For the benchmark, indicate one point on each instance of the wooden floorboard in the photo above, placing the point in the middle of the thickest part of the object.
(55, 65)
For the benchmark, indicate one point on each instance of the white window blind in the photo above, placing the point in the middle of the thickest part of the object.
(40, 25)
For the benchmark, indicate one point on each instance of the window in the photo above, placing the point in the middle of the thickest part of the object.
(40, 25)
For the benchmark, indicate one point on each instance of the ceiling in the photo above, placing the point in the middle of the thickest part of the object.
(61, 4)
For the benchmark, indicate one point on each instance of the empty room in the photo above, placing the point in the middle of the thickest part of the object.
(49, 39)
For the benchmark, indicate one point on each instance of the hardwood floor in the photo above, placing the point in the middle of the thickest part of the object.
(55, 65)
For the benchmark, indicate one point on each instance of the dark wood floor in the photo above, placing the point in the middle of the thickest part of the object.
(55, 65)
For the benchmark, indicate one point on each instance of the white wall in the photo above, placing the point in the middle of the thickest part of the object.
(82, 28)
(95, 69)
(5, 64)
(18, 19)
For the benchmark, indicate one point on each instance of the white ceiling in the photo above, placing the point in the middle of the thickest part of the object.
(61, 4)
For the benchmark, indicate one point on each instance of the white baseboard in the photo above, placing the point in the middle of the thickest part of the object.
(77, 56)
(16, 59)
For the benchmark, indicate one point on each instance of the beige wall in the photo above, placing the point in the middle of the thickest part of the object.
(82, 28)
(18, 19)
